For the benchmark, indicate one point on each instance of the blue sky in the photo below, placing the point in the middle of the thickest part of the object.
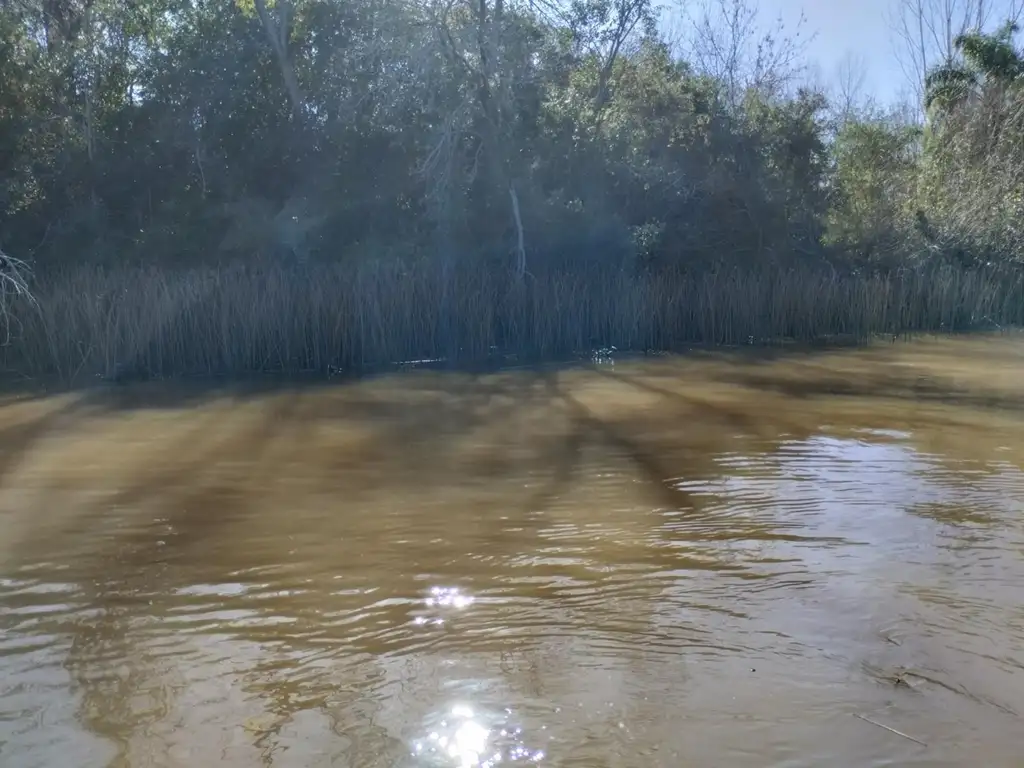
(841, 27)
(861, 28)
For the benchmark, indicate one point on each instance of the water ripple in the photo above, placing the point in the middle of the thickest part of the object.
(769, 588)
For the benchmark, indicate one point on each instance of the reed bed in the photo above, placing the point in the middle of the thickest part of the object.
(244, 319)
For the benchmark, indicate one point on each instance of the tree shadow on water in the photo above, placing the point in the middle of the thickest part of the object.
(416, 434)
(586, 427)
(874, 382)
(419, 430)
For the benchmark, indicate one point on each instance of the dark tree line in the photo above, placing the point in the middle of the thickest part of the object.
(519, 133)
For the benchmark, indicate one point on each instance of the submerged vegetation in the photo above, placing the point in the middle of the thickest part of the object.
(306, 184)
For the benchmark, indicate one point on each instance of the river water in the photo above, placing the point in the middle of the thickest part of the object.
(713, 560)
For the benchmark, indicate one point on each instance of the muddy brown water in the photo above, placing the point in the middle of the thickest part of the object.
(710, 561)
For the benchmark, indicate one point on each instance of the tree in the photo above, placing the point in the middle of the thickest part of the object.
(726, 43)
(875, 162)
(925, 33)
(521, 136)
(971, 181)
(847, 92)
(984, 61)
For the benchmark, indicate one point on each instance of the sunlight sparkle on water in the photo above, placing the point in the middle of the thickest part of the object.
(461, 740)
(448, 597)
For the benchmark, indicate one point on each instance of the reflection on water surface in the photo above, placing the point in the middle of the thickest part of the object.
(707, 561)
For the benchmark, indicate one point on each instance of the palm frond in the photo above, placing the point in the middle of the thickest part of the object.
(949, 85)
(992, 55)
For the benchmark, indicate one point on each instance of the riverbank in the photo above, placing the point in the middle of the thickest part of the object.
(138, 323)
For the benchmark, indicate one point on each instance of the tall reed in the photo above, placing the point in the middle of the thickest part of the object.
(242, 319)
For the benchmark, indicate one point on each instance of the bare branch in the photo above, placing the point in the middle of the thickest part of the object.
(924, 32)
(848, 86)
(15, 275)
(726, 43)
(520, 240)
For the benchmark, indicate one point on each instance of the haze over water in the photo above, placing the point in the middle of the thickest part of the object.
(717, 560)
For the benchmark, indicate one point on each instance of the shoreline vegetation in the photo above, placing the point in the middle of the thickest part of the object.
(127, 324)
(228, 188)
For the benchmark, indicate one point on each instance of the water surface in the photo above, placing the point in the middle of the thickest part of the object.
(716, 560)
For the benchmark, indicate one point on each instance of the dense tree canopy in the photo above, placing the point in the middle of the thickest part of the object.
(524, 133)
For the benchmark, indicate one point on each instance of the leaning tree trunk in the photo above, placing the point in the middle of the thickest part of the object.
(277, 35)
